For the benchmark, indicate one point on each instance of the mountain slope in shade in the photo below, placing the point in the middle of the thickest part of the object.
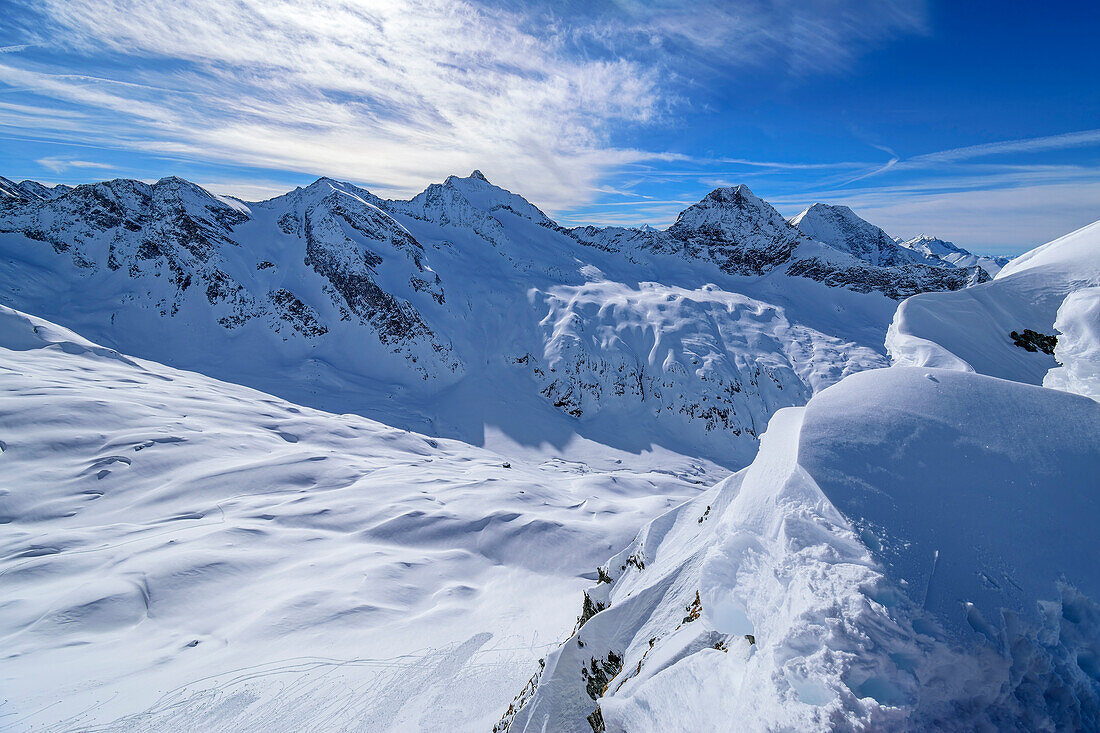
(183, 553)
(911, 550)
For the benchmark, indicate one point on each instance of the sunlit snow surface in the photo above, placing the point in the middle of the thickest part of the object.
(181, 553)
(915, 549)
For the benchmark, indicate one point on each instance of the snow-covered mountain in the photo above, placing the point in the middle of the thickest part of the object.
(840, 227)
(912, 550)
(30, 189)
(953, 254)
(444, 312)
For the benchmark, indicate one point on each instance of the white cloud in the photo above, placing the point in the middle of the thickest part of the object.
(58, 164)
(1084, 138)
(398, 93)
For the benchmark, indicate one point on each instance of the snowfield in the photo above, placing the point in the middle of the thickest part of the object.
(867, 476)
(914, 549)
(180, 552)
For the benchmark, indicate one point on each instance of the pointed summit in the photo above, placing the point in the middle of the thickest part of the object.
(732, 212)
(843, 229)
(740, 232)
(455, 195)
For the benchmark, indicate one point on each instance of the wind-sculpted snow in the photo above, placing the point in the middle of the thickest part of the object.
(1078, 349)
(912, 550)
(972, 329)
(180, 553)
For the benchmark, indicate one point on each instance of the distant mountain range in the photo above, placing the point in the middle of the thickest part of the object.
(443, 312)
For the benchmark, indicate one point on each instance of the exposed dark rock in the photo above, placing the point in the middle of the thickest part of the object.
(1034, 341)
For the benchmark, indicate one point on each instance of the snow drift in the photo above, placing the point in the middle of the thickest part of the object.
(972, 329)
(913, 549)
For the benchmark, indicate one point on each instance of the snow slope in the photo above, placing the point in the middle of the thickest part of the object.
(912, 550)
(182, 553)
(971, 329)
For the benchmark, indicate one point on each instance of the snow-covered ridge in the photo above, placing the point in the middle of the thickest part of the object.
(910, 551)
(336, 298)
(30, 190)
(952, 254)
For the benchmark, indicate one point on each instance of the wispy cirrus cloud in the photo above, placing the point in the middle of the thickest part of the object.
(396, 93)
(1084, 138)
(58, 164)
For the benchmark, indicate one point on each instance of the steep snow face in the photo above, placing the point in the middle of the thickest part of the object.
(1078, 349)
(846, 581)
(841, 228)
(952, 254)
(972, 329)
(724, 361)
(180, 552)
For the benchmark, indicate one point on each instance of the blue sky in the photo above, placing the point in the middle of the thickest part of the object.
(976, 121)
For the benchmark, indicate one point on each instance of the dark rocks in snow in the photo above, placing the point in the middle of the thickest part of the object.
(1034, 341)
(600, 672)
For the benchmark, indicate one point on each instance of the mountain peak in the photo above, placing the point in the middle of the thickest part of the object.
(730, 206)
(476, 177)
(732, 194)
(842, 229)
